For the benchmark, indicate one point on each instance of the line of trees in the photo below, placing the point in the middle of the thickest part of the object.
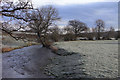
(39, 20)
(76, 29)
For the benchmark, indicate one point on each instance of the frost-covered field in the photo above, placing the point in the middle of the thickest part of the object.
(98, 59)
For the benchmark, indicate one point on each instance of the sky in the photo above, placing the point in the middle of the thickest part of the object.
(87, 11)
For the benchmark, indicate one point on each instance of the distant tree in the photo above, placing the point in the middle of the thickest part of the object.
(69, 37)
(93, 35)
(100, 25)
(77, 26)
(54, 33)
(68, 29)
(118, 34)
(111, 33)
(112, 29)
(69, 34)
(87, 31)
(93, 29)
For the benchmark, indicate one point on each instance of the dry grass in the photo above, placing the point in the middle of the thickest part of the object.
(7, 49)
(9, 44)
(53, 48)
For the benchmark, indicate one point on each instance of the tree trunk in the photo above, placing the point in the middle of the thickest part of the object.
(42, 40)
(38, 35)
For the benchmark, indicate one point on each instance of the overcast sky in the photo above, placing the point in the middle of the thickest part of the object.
(87, 11)
(67, 2)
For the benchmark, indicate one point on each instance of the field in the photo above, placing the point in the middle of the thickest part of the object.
(97, 59)
(92, 59)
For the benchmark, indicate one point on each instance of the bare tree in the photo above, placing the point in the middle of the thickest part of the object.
(77, 26)
(38, 20)
(112, 29)
(55, 33)
(69, 34)
(13, 10)
(111, 33)
(9, 29)
(68, 29)
(100, 25)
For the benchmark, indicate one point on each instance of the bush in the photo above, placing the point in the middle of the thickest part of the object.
(69, 37)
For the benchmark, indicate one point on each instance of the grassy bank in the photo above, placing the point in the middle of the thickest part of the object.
(9, 44)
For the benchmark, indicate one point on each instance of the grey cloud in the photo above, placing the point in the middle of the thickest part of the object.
(88, 13)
